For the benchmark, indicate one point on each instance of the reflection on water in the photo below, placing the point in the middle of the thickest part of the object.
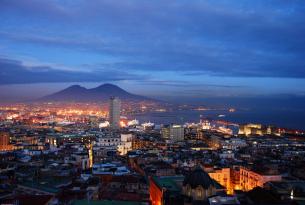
(282, 118)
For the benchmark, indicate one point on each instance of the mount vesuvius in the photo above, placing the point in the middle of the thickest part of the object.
(103, 92)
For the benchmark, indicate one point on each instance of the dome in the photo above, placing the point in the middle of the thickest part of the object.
(198, 177)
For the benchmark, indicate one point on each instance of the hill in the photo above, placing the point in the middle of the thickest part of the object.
(103, 92)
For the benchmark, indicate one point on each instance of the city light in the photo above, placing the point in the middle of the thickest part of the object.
(152, 102)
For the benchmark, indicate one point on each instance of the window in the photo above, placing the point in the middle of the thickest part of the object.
(188, 190)
(199, 193)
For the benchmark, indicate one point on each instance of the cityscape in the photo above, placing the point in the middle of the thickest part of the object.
(152, 103)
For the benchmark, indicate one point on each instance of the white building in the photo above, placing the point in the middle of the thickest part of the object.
(132, 123)
(206, 125)
(111, 141)
(109, 169)
(108, 140)
(234, 143)
(148, 125)
(126, 144)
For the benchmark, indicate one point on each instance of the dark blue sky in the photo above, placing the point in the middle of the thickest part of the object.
(155, 48)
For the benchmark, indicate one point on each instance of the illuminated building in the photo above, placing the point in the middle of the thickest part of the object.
(240, 178)
(114, 112)
(223, 177)
(232, 110)
(249, 129)
(173, 133)
(214, 142)
(195, 188)
(4, 139)
(224, 130)
(148, 125)
(235, 178)
(104, 124)
(90, 153)
(165, 132)
(126, 144)
(234, 143)
(55, 140)
(201, 135)
(206, 125)
(52, 140)
(5, 142)
(218, 142)
(134, 122)
(139, 143)
(166, 190)
(269, 130)
(255, 129)
(250, 179)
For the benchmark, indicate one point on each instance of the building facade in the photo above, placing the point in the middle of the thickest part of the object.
(250, 179)
(5, 142)
(173, 133)
(114, 112)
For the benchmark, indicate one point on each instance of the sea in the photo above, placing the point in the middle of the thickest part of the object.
(284, 118)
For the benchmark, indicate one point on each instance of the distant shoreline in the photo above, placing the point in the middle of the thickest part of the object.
(282, 119)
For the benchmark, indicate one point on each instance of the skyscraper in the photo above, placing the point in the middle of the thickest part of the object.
(114, 112)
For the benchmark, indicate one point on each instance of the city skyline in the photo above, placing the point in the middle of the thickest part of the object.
(193, 49)
(138, 102)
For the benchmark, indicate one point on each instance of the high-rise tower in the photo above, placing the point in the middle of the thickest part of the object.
(114, 112)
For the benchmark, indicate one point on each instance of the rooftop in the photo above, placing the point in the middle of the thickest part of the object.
(106, 202)
(50, 185)
(169, 182)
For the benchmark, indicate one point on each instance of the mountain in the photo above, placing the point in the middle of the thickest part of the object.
(101, 93)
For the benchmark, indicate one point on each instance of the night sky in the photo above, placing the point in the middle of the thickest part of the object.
(155, 48)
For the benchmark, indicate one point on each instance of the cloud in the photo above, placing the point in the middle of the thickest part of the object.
(186, 84)
(17, 72)
(262, 38)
